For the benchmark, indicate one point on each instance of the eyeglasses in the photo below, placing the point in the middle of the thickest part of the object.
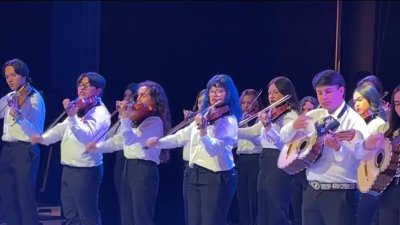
(84, 85)
(218, 92)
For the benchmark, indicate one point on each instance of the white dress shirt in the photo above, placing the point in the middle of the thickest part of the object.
(333, 166)
(212, 151)
(76, 132)
(132, 140)
(31, 121)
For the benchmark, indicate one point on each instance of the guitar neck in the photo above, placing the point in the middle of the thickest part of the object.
(346, 135)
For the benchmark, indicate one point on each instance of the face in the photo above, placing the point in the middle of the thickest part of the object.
(361, 105)
(308, 106)
(200, 101)
(216, 94)
(128, 96)
(397, 103)
(330, 97)
(274, 94)
(13, 79)
(145, 97)
(85, 89)
(246, 101)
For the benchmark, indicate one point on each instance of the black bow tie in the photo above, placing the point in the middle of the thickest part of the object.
(326, 124)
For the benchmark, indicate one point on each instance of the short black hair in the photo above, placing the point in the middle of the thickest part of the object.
(328, 77)
(95, 79)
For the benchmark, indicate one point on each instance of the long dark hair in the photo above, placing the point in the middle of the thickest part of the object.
(285, 87)
(160, 100)
(370, 94)
(394, 119)
(232, 96)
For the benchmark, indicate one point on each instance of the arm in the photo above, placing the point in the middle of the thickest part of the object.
(250, 132)
(152, 126)
(178, 139)
(95, 122)
(54, 134)
(33, 120)
(224, 137)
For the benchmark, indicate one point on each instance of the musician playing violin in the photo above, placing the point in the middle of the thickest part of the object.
(82, 173)
(331, 196)
(388, 206)
(23, 110)
(211, 137)
(247, 163)
(148, 117)
(273, 184)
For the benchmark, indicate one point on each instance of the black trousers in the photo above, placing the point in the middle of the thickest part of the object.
(367, 210)
(19, 163)
(80, 193)
(140, 188)
(274, 190)
(118, 170)
(299, 185)
(329, 207)
(248, 168)
(186, 173)
(210, 195)
(389, 207)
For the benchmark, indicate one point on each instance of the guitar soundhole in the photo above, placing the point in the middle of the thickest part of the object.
(303, 145)
(379, 160)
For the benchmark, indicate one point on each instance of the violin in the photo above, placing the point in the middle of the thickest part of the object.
(18, 100)
(279, 111)
(140, 111)
(83, 102)
(213, 114)
(274, 114)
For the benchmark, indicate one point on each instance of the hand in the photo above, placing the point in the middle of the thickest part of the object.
(201, 123)
(125, 109)
(151, 142)
(186, 113)
(36, 138)
(69, 108)
(90, 147)
(301, 122)
(373, 142)
(332, 142)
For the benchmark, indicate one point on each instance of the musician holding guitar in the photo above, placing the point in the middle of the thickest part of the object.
(274, 185)
(387, 181)
(368, 105)
(331, 197)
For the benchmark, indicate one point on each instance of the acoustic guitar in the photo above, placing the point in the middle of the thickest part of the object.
(376, 173)
(305, 150)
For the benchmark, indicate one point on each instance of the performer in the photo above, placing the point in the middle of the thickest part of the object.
(212, 180)
(273, 183)
(248, 152)
(24, 112)
(308, 103)
(186, 152)
(368, 105)
(149, 117)
(129, 96)
(332, 196)
(388, 205)
(88, 119)
(299, 182)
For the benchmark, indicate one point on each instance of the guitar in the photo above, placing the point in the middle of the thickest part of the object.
(375, 174)
(305, 150)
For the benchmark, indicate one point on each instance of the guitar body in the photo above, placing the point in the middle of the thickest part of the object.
(376, 173)
(300, 153)
(304, 151)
